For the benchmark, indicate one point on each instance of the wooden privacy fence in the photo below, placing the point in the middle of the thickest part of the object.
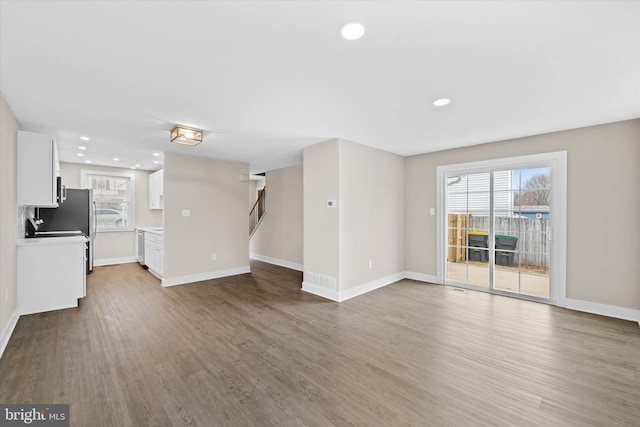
(532, 233)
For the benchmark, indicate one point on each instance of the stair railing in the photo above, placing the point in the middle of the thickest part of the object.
(257, 212)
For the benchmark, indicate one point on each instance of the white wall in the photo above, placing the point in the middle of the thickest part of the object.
(367, 224)
(212, 191)
(117, 245)
(371, 214)
(280, 234)
(321, 224)
(603, 230)
(8, 220)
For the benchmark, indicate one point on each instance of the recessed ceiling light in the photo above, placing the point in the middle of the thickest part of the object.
(352, 31)
(80, 154)
(82, 148)
(137, 166)
(156, 154)
(441, 102)
(133, 167)
(115, 159)
(87, 161)
(84, 138)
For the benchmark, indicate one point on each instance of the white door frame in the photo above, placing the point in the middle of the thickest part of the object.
(557, 162)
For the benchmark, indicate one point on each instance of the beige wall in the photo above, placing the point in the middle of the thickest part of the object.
(280, 234)
(320, 224)
(603, 203)
(371, 214)
(212, 190)
(368, 223)
(113, 245)
(8, 215)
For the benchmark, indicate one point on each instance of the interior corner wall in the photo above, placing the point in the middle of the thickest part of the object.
(218, 222)
(280, 233)
(372, 215)
(117, 245)
(602, 205)
(8, 218)
(320, 224)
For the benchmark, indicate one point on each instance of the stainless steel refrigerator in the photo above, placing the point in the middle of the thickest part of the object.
(76, 213)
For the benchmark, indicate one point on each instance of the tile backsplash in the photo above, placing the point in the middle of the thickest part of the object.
(24, 213)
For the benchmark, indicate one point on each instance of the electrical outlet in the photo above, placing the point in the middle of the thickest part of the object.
(214, 256)
(370, 264)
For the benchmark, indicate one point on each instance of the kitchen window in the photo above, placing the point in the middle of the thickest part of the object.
(113, 197)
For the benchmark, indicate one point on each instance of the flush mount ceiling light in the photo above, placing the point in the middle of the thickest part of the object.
(84, 138)
(441, 102)
(185, 135)
(352, 31)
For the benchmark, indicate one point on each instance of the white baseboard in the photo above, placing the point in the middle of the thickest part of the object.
(8, 331)
(370, 286)
(320, 291)
(421, 277)
(113, 261)
(276, 261)
(353, 292)
(604, 309)
(191, 278)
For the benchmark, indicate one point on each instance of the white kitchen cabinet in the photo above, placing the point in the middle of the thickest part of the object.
(38, 169)
(156, 190)
(154, 252)
(51, 273)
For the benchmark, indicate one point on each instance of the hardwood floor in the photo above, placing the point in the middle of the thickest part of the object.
(255, 350)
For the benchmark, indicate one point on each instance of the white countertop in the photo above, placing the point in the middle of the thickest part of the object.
(52, 240)
(155, 230)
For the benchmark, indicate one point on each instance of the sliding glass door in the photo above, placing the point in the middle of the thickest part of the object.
(498, 230)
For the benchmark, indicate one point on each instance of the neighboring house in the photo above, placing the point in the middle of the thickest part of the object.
(470, 194)
(540, 212)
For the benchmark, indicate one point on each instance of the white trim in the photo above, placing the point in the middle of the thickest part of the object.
(370, 286)
(199, 277)
(353, 292)
(114, 261)
(603, 309)
(276, 261)
(557, 161)
(429, 278)
(320, 291)
(8, 331)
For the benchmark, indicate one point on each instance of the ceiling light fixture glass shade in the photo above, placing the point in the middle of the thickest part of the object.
(441, 102)
(352, 31)
(185, 135)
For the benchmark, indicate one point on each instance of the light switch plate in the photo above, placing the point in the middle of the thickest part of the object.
(432, 211)
(186, 212)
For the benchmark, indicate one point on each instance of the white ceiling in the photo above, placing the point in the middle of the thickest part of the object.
(264, 79)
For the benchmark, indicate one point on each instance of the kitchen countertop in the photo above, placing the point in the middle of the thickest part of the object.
(52, 240)
(155, 230)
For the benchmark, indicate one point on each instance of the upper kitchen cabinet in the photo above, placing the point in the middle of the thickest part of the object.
(38, 170)
(156, 192)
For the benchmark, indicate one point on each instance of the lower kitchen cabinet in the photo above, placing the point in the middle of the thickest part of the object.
(51, 273)
(154, 253)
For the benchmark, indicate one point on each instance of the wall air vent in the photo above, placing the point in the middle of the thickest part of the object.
(326, 282)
